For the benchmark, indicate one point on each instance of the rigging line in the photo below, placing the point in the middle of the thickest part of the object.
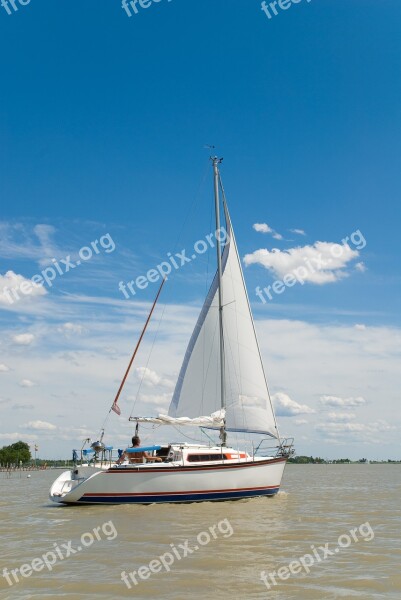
(105, 422)
(201, 408)
(189, 212)
(149, 356)
(151, 428)
(183, 434)
(207, 435)
(191, 208)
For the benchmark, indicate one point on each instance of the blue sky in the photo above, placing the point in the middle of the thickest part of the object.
(103, 121)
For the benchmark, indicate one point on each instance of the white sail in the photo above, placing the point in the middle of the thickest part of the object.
(247, 401)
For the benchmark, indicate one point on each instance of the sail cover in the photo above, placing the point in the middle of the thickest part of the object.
(198, 392)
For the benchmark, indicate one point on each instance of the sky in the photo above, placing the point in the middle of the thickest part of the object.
(106, 117)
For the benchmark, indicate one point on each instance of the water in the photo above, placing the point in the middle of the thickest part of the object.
(318, 503)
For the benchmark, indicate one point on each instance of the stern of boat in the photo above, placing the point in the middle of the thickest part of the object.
(62, 486)
(64, 489)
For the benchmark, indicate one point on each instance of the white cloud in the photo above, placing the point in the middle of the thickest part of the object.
(23, 339)
(357, 370)
(321, 263)
(40, 426)
(301, 422)
(341, 417)
(336, 401)
(44, 233)
(147, 376)
(160, 401)
(265, 228)
(262, 227)
(382, 425)
(360, 327)
(286, 407)
(16, 241)
(17, 436)
(361, 267)
(4, 368)
(298, 231)
(151, 378)
(71, 329)
(76, 433)
(27, 383)
(16, 288)
(352, 429)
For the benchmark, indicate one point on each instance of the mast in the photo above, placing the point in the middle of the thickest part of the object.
(216, 161)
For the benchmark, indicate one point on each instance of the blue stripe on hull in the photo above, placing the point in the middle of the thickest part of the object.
(198, 497)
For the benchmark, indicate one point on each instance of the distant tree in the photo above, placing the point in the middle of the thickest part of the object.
(303, 460)
(12, 455)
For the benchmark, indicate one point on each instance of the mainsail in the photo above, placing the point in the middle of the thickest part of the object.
(247, 402)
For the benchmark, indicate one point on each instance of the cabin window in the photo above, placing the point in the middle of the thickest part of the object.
(205, 457)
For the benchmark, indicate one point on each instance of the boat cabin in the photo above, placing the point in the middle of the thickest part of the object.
(193, 454)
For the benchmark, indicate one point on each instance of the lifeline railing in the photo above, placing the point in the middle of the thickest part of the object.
(91, 457)
(285, 448)
(107, 456)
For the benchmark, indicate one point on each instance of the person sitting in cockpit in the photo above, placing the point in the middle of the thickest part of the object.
(137, 457)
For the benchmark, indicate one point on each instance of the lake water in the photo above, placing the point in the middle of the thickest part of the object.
(318, 507)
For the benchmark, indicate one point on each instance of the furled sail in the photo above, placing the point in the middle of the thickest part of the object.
(217, 419)
(247, 401)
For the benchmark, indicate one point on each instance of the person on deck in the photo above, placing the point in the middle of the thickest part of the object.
(137, 457)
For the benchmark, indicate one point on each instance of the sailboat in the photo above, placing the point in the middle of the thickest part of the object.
(221, 386)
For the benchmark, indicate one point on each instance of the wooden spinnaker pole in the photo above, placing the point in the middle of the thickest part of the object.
(115, 406)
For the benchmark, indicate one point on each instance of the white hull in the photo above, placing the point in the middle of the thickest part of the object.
(169, 482)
